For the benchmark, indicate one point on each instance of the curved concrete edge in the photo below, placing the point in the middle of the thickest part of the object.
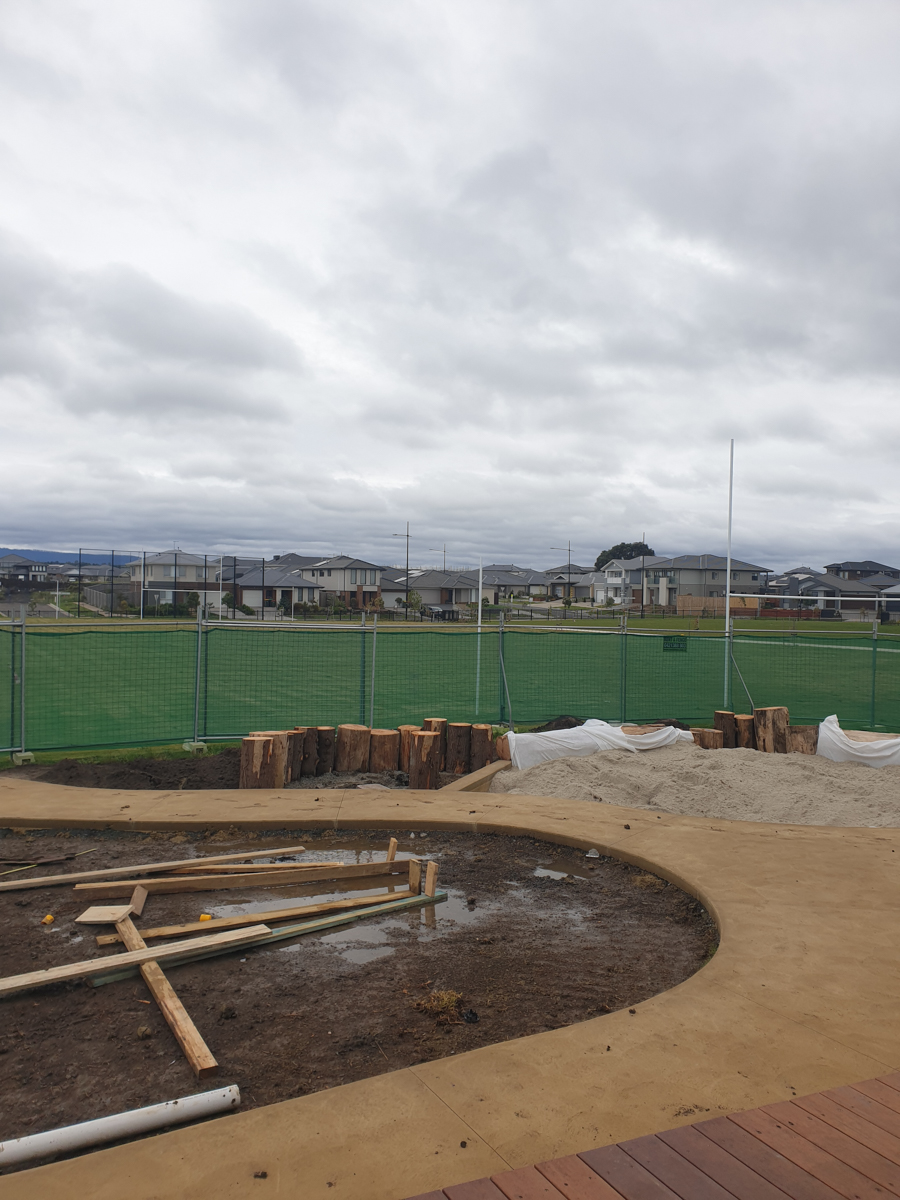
(799, 997)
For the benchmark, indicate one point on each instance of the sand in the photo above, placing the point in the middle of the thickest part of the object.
(738, 785)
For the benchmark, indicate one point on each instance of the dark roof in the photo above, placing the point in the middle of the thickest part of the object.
(566, 567)
(277, 576)
(866, 565)
(431, 579)
(707, 562)
(293, 560)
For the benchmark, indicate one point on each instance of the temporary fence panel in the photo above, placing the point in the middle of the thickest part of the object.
(103, 686)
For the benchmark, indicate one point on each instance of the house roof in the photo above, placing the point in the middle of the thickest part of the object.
(634, 564)
(865, 565)
(18, 560)
(293, 560)
(278, 576)
(169, 556)
(566, 568)
(707, 562)
(430, 579)
(878, 581)
(342, 561)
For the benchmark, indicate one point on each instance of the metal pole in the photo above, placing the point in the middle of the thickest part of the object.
(643, 575)
(234, 587)
(221, 573)
(504, 686)
(57, 599)
(79, 583)
(197, 673)
(407, 570)
(175, 586)
(22, 682)
(874, 666)
(143, 579)
(112, 580)
(623, 669)
(726, 691)
(478, 639)
(372, 687)
(362, 668)
(262, 589)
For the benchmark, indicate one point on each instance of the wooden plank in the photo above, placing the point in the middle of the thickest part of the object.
(288, 931)
(269, 917)
(667, 1165)
(12, 984)
(477, 1189)
(428, 1196)
(628, 1177)
(765, 1161)
(879, 1090)
(864, 1106)
(104, 914)
(574, 1178)
(851, 1139)
(477, 781)
(195, 1050)
(807, 1155)
(739, 1180)
(143, 868)
(139, 899)
(864, 735)
(211, 883)
(415, 876)
(250, 868)
(392, 850)
(525, 1183)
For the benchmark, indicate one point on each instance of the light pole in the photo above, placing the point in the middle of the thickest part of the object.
(568, 550)
(406, 535)
(435, 549)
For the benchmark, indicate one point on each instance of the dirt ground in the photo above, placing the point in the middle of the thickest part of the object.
(532, 937)
(218, 770)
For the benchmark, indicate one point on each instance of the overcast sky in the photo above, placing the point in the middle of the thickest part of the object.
(283, 275)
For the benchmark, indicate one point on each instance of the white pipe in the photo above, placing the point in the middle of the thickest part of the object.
(726, 688)
(478, 639)
(126, 1124)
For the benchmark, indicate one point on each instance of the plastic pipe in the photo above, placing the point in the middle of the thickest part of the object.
(120, 1125)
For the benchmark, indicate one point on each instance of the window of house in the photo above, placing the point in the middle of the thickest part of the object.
(329, 574)
(735, 574)
(372, 577)
(715, 575)
(754, 578)
(353, 577)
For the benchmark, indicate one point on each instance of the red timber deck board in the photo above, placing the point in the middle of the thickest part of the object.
(841, 1144)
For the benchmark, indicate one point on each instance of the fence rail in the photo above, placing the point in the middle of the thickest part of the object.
(88, 686)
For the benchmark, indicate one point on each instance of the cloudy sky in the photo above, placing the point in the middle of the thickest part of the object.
(285, 274)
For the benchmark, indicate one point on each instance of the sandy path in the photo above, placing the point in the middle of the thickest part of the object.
(739, 785)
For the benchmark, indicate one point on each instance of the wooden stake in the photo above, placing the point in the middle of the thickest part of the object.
(139, 899)
(459, 739)
(431, 874)
(745, 731)
(424, 759)
(725, 721)
(803, 739)
(256, 762)
(481, 750)
(384, 750)
(325, 739)
(406, 732)
(771, 726)
(392, 850)
(438, 725)
(352, 749)
(415, 876)
(186, 1033)
(310, 751)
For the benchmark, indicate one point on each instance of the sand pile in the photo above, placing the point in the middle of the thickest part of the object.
(739, 785)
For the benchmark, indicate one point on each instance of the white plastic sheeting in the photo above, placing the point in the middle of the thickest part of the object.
(528, 749)
(834, 744)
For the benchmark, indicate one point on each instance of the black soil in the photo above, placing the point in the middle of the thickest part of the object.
(525, 952)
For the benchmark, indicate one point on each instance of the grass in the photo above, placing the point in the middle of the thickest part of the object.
(46, 758)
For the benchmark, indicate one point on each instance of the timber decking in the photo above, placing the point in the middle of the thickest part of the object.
(842, 1144)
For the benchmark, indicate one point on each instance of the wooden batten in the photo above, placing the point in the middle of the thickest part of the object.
(459, 740)
(424, 760)
(415, 876)
(384, 750)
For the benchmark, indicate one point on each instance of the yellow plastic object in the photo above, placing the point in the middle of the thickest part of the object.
(48, 920)
(205, 917)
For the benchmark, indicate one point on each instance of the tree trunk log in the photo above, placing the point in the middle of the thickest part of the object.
(280, 760)
(352, 749)
(424, 759)
(310, 751)
(438, 725)
(384, 750)
(481, 747)
(771, 726)
(803, 739)
(745, 731)
(405, 731)
(295, 754)
(256, 757)
(459, 737)
(725, 721)
(325, 739)
(708, 739)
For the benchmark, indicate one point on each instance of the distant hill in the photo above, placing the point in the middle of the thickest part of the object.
(62, 555)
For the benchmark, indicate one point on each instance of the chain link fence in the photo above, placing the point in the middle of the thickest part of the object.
(65, 686)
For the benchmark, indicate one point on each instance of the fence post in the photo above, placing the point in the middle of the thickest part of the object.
(372, 690)
(623, 667)
(504, 685)
(197, 673)
(22, 683)
(362, 668)
(874, 667)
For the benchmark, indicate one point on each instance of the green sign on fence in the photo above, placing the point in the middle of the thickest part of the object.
(675, 643)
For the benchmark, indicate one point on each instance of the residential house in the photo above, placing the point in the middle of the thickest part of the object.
(619, 580)
(862, 570)
(18, 569)
(277, 587)
(503, 581)
(445, 589)
(170, 576)
(570, 580)
(804, 587)
(659, 580)
(356, 582)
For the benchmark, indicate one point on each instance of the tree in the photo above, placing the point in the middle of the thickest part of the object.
(415, 601)
(622, 550)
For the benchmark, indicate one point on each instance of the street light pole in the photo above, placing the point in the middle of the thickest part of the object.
(435, 549)
(568, 550)
(406, 535)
